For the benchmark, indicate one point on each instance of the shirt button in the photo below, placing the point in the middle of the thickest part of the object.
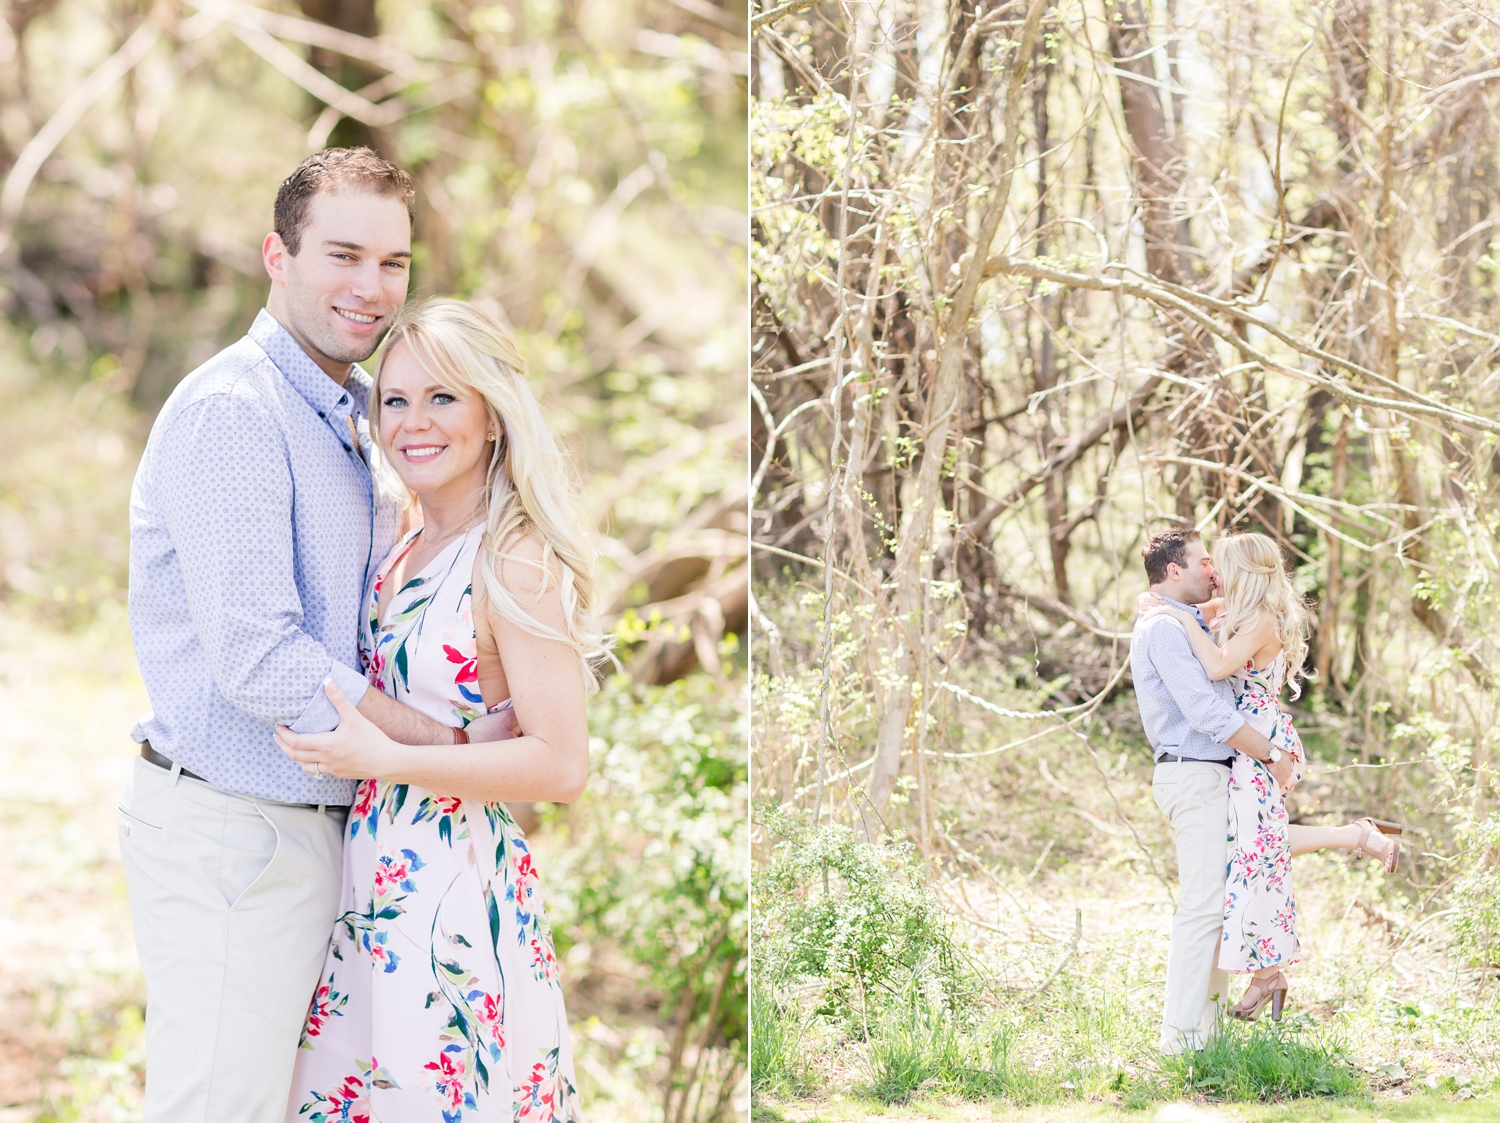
(347, 447)
(343, 399)
(322, 415)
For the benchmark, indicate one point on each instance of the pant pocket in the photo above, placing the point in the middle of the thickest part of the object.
(252, 844)
(132, 825)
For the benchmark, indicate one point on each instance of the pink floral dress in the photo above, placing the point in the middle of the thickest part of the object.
(439, 997)
(1260, 911)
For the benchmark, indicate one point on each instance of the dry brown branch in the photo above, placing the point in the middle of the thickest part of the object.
(1182, 301)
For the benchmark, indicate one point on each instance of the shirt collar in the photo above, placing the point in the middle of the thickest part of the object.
(1193, 608)
(310, 380)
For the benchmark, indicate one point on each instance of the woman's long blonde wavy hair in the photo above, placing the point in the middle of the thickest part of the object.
(530, 490)
(1253, 581)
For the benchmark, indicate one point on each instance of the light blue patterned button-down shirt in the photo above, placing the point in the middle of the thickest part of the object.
(254, 524)
(1183, 711)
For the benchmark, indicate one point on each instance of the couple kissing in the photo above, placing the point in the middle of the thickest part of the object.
(1208, 672)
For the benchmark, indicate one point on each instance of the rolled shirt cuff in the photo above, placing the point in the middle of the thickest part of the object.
(320, 716)
(1230, 728)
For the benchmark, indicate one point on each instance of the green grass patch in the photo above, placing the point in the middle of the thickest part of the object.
(1265, 1061)
(921, 1048)
(1425, 1108)
(776, 1063)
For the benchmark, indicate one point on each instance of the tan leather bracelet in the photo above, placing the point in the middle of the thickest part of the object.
(460, 736)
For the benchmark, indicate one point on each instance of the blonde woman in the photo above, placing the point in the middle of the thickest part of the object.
(1262, 625)
(439, 996)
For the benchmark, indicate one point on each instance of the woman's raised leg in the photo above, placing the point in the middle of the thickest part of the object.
(1305, 839)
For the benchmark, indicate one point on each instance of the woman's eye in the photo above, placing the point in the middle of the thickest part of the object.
(443, 399)
(393, 402)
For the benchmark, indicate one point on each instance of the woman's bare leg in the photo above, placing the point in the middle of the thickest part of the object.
(1305, 839)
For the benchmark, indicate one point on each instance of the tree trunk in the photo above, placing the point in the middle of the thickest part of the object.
(357, 17)
(940, 408)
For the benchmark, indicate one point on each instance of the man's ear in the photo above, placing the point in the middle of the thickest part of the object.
(273, 253)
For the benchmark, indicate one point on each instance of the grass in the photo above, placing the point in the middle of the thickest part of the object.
(775, 1046)
(917, 1049)
(1429, 1107)
(1378, 1015)
(1266, 1062)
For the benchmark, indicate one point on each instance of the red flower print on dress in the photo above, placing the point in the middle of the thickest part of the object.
(539, 1097)
(364, 810)
(449, 1074)
(468, 668)
(349, 1102)
(327, 1003)
(526, 878)
(446, 810)
(543, 962)
(489, 1011)
(396, 870)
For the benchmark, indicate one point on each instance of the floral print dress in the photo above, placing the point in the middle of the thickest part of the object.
(1260, 911)
(439, 997)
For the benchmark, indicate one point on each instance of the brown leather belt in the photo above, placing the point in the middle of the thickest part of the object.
(151, 756)
(1175, 758)
(160, 761)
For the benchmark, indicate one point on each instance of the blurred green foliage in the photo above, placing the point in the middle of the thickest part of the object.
(657, 869)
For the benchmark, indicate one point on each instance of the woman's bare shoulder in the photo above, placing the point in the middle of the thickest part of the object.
(526, 566)
(529, 572)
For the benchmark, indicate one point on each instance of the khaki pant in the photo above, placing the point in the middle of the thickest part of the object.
(233, 902)
(1195, 799)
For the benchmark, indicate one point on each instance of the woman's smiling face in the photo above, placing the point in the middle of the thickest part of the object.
(437, 438)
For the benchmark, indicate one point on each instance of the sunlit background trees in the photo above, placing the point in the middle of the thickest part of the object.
(1031, 281)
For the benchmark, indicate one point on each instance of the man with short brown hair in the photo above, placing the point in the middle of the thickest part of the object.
(254, 520)
(1194, 730)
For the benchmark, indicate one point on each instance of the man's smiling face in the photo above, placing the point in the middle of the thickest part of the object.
(339, 293)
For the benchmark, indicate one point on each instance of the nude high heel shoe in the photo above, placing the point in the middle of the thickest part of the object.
(1376, 826)
(1272, 989)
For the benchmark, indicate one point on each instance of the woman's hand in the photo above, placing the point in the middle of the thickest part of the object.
(1146, 602)
(356, 750)
(1181, 615)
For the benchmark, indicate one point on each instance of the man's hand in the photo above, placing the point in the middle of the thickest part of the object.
(356, 750)
(493, 727)
(1253, 745)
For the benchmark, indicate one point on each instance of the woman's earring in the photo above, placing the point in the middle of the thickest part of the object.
(491, 437)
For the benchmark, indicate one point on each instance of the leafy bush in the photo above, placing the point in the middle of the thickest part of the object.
(856, 914)
(654, 870)
(1476, 897)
